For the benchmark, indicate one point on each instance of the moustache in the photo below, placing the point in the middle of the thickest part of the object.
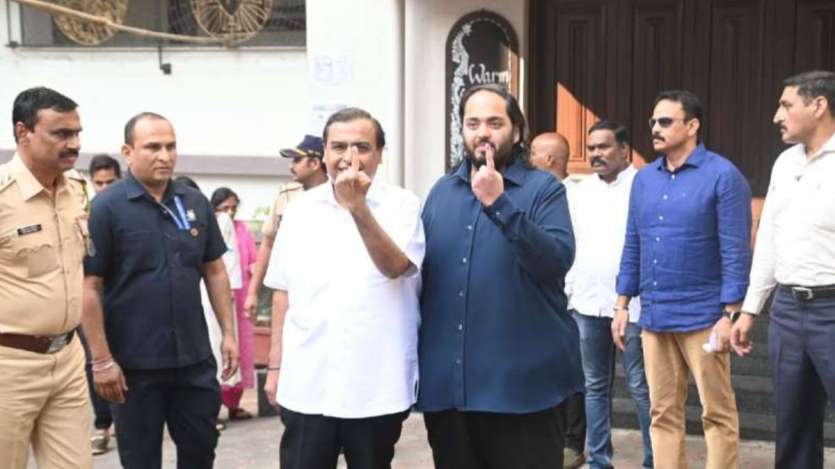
(658, 137)
(480, 151)
(68, 154)
(598, 161)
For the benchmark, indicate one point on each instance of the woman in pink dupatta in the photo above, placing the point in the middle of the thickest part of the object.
(224, 199)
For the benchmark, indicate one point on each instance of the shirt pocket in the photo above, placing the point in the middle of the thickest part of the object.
(190, 245)
(140, 250)
(36, 251)
(824, 215)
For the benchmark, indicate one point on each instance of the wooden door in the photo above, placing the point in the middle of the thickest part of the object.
(593, 59)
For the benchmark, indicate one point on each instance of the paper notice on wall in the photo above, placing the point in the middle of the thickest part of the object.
(332, 71)
(332, 76)
(319, 115)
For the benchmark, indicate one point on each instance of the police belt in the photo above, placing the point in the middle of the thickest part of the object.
(36, 344)
(810, 293)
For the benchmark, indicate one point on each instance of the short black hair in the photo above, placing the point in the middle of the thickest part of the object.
(222, 193)
(817, 83)
(104, 161)
(29, 102)
(131, 124)
(350, 114)
(186, 181)
(512, 108)
(621, 135)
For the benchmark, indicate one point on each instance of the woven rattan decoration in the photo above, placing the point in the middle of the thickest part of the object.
(85, 32)
(233, 20)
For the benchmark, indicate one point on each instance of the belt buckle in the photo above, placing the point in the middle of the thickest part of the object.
(57, 343)
(803, 293)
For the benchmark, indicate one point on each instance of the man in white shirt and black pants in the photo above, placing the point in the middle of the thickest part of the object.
(795, 252)
(599, 206)
(345, 309)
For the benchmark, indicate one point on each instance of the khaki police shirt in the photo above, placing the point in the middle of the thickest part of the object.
(285, 194)
(42, 245)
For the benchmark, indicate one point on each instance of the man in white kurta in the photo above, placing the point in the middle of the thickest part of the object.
(345, 311)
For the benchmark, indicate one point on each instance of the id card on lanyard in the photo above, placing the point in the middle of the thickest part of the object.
(180, 218)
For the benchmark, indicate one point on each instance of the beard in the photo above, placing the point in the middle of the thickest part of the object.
(477, 153)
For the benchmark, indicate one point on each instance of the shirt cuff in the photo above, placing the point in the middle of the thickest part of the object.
(755, 301)
(627, 286)
(501, 210)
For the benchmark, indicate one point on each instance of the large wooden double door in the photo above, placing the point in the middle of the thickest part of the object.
(593, 59)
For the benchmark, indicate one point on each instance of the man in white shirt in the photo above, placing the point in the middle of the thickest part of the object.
(345, 309)
(599, 206)
(795, 252)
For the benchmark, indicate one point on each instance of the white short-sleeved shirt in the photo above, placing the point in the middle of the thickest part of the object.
(350, 333)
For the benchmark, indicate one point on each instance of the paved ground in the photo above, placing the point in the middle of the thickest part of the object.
(254, 444)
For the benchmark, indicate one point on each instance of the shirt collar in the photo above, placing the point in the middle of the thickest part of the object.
(828, 147)
(136, 189)
(514, 173)
(28, 183)
(697, 158)
(627, 173)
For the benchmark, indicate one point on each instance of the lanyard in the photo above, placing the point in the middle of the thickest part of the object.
(181, 220)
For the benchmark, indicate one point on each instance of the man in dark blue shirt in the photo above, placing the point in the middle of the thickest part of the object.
(499, 353)
(152, 241)
(687, 254)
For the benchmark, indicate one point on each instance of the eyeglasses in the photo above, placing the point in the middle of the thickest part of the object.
(664, 122)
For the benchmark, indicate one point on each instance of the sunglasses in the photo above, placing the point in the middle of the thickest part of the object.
(664, 122)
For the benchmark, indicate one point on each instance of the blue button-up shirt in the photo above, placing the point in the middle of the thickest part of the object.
(687, 250)
(495, 335)
(151, 270)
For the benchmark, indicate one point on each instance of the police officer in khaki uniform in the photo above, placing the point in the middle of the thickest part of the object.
(308, 171)
(43, 396)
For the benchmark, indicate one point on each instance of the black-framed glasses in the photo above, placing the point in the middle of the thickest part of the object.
(664, 122)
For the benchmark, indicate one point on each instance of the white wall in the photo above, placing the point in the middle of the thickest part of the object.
(361, 42)
(388, 57)
(427, 25)
(246, 102)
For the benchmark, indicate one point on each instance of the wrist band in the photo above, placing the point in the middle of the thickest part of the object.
(101, 360)
(103, 367)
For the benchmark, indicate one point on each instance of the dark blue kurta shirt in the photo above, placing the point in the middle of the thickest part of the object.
(495, 335)
(687, 249)
(151, 271)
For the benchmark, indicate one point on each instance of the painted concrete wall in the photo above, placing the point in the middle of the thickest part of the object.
(427, 25)
(386, 56)
(239, 102)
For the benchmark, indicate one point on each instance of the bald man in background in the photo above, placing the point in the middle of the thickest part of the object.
(549, 152)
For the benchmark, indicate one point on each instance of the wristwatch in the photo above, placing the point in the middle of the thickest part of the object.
(617, 308)
(732, 315)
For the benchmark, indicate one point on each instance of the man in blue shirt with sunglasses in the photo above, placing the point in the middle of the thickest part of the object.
(687, 255)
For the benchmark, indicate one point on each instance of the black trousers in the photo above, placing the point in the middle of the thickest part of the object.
(186, 399)
(314, 441)
(801, 347)
(574, 413)
(101, 408)
(484, 440)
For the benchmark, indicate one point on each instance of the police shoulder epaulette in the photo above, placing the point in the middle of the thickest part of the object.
(6, 177)
(75, 175)
(291, 187)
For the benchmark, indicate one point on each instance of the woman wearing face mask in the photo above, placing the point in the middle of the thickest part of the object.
(225, 203)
